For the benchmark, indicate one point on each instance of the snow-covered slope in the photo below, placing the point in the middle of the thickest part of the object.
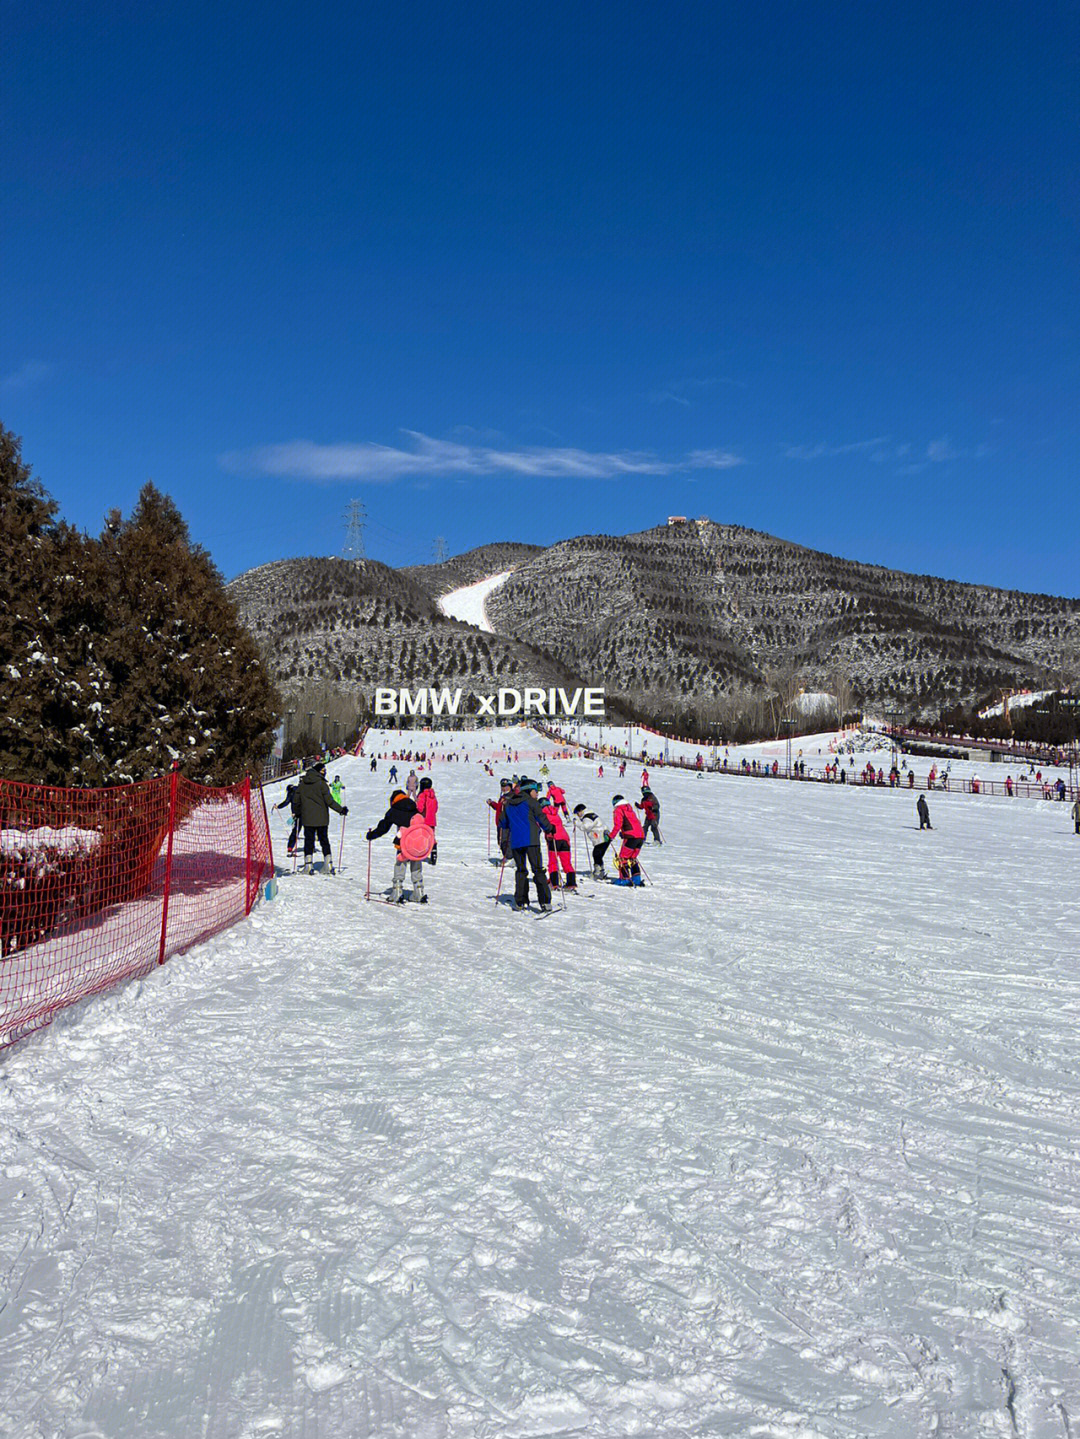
(469, 602)
(785, 1145)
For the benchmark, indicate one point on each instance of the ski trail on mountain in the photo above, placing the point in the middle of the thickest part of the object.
(469, 603)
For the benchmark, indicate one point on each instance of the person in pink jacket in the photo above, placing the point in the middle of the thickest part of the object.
(557, 796)
(428, 806)
(558, 847)
(626, 826)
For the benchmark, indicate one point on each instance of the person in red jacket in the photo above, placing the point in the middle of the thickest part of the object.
(626, 826)
(558, 847)
(427, 805)
(506, 789)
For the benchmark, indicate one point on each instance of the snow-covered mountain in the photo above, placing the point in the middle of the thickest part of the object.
(669, 620)
(359, 624)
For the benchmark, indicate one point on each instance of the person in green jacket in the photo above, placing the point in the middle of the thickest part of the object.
(337, 789)
(315, 802)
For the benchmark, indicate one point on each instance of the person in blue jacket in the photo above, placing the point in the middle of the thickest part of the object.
(523, 820)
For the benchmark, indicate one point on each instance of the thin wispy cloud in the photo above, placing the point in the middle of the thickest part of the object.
(882, 450)
(383, 464)
(685, 392)
(30, 373)
(829, 452)
(943, 452)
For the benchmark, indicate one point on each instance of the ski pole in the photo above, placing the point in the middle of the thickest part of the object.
(645, 872)
(489, 833)
(498, 888)
(368, 894)
(341, 844)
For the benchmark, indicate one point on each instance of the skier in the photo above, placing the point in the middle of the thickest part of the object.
(294, 804)
(924, 812)
(374, 764)
(626, 825)
(644, 779)
(315, 803)
(523, 820)
(595, 835)
(392, 776)
(428, 805)
(337, 789)
(1076, 816)
(557, 796)
(558, 846)
(402, 812)
(650, 806)
(499, 805)
(412, 784)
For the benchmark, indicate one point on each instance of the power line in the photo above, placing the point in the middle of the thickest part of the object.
(355, 520)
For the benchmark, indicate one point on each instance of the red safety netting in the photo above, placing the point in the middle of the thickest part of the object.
(98, 885)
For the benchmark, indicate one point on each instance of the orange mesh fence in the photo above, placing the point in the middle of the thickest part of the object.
(100, 885)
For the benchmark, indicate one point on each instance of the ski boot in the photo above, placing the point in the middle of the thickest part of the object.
(307, 867)
(396, 895)
(599, 872)
(418, 895)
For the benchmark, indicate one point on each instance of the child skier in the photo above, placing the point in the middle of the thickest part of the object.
(402, 812)
(595, 835)
(626, 826)
(650, 805)
(293, 804)
(428, 805)
(558, 847)
(557, 796)
(498, 805)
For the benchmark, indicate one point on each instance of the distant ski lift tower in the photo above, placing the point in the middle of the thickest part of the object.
(355, 520)
(439, 551)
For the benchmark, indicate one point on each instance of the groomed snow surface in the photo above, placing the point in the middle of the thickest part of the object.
(785, 1145)
(469, 602)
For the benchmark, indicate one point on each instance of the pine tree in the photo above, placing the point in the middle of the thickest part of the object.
(187, 680)
(42, 572)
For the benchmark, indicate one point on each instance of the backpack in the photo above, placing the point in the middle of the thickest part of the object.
(417, 840)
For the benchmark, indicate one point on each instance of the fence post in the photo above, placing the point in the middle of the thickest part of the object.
(173, 781)
(247, 845)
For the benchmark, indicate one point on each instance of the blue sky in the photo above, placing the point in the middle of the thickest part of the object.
(522, 271)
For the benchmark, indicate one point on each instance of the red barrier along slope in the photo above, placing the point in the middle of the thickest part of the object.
(99, 885)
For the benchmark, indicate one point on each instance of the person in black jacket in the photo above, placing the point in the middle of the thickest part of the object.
(523, 819)
(924, 812)
(290, 801)
(401, 812)
(314, 802)
(650, 806)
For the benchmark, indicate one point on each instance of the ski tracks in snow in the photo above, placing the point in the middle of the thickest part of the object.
(786, 1145)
